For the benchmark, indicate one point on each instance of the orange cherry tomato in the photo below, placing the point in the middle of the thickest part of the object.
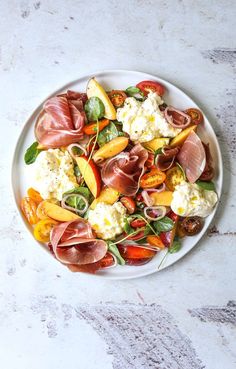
(150, 161)
(129, 203)
(155, 241)
(152, 179)
(135, 252)
(91, 128)
(174, 176)
(29, 207)
(34, 195)
(117, 98)
(43, 228)
(195, 114)
(151, 86)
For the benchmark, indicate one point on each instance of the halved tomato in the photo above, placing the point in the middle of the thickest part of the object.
(174, 176)
(152, 179)
(138, 223)
(129, 203)
(43, 228)
(151, 86)
(137, 262)
(136, 237)
(117, 98)
(91, 128)
(155, 241)
(29, 207)
(135, 252)
(195, 115)
(34, 195)
(107, 261)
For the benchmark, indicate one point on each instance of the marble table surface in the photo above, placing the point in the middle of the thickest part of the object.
(183, 317)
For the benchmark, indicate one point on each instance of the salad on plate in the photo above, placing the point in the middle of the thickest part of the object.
(117, 176)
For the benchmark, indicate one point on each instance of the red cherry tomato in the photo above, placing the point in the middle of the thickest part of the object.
(138, 223)
(195, 114)
(129, 203)
(168, 237)
(117, 98)
(151, 86)
(107, 261)
(150, 161)
(136, 237)
(136, 262)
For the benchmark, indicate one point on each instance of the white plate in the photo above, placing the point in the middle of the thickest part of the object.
(121, 79)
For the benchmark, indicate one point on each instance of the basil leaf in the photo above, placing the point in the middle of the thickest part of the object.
(94, 108)
(176, 246)
(107, 134)
(115, 251)
(208, 186)
(32, 153)
(163, 225)
(147, 230)
(84, 191)
(127, 227)
(132, 90)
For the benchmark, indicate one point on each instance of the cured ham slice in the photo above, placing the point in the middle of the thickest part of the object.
(192, 157)
(73, 244)
(165, 160)
(61, 122)
(123, 172)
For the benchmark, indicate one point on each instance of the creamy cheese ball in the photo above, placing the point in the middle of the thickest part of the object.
(191, 200)
(107, 220)
(144, 121)
(53, 174)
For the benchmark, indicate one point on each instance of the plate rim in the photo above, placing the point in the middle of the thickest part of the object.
(139, 272)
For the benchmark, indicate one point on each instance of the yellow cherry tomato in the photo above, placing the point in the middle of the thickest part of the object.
(43, 228)
(174, 176)
(28, 207)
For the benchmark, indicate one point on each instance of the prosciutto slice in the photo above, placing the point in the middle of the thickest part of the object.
(192, 157)
(165, 160)
(123, 172)
(73, 244)
(61, 121)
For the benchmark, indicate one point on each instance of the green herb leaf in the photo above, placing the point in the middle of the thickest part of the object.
(107, 134)
(115, 251)
(132, 90)
(176, 246)
(208, 186)
(32, 153)
(163, 225)
(127, 227)
(76, 202)
(94, 108)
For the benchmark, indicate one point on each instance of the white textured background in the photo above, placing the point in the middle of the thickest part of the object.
(181, 318)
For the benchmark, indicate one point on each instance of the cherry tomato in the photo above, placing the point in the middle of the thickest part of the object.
(29, 207)
(91, 128)
(174, 176)
(135, 252)
(191, 225)
(152, 179)
(34, 195)
(129, 203)
(43, 228)
(151, 86)
(138, 223)
(117, 98)
(107, 260)
(195, 114)
(137, 262)
(155, 241)
(136, 237)
(139, 197)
